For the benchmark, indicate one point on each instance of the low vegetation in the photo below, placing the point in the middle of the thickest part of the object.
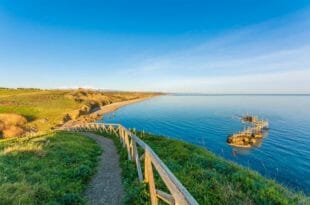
(209, 178)
(49, 169)
(213, 180)
(12, 125)
(55, 168)
(48, 109)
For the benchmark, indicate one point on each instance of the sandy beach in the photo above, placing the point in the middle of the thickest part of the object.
(94, 116)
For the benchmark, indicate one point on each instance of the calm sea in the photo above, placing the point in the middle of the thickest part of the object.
(283, 155)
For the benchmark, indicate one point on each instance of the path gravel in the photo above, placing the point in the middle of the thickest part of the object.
(106, 186)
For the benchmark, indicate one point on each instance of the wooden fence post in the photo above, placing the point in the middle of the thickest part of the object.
(137, 160)
(178, 194)
(127, 144)
(120, 130)
(149, 177)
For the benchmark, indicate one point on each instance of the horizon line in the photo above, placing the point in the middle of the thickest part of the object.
(170, 93)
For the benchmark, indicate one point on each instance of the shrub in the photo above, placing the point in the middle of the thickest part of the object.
(66, 118)
(12, 125)
(13, 131)
(1, 125)
(10, 119)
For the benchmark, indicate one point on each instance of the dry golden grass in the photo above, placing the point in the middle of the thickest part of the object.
(10, 119)
(93, 100)
(89, 96)
(13, 131)
(1, 126)
(12, 125)
(46, 110)
(34, 148)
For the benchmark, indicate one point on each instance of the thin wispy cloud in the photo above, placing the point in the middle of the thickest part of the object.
(282, 82)
(143, 49)
(264, 50)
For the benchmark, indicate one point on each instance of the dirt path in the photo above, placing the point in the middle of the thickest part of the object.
(106, 186)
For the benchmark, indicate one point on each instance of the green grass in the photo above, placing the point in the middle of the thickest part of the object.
(8, 91)
(214, 180)
(50, 169)
(46, 109)
(209, 178)
(135, 192)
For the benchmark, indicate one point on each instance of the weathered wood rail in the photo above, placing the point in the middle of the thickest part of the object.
(178, 193)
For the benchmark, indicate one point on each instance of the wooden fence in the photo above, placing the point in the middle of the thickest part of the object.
(179, 194)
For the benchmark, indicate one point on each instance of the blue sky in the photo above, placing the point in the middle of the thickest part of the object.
(240, 46)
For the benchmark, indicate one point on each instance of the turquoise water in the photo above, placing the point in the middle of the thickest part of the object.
(283, 155)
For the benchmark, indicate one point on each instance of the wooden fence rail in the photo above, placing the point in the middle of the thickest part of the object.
(178, 193)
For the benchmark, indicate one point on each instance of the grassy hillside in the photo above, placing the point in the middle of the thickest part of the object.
(45, 109)
(50, 169)
(210, 179)
(214, 180)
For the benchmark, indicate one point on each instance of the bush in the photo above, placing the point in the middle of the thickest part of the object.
(10, 119)
(12, 125)
(13, 131)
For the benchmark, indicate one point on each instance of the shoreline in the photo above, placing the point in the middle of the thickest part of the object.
(96, 115)
(113, 107)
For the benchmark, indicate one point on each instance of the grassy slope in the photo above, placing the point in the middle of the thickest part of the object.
(210, 179)
(50, 169)
(54, 168)
(37, 105)
(46, 108)
(213, 180)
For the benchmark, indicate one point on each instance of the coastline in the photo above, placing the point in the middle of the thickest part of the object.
(96, 115)
(113, 107)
